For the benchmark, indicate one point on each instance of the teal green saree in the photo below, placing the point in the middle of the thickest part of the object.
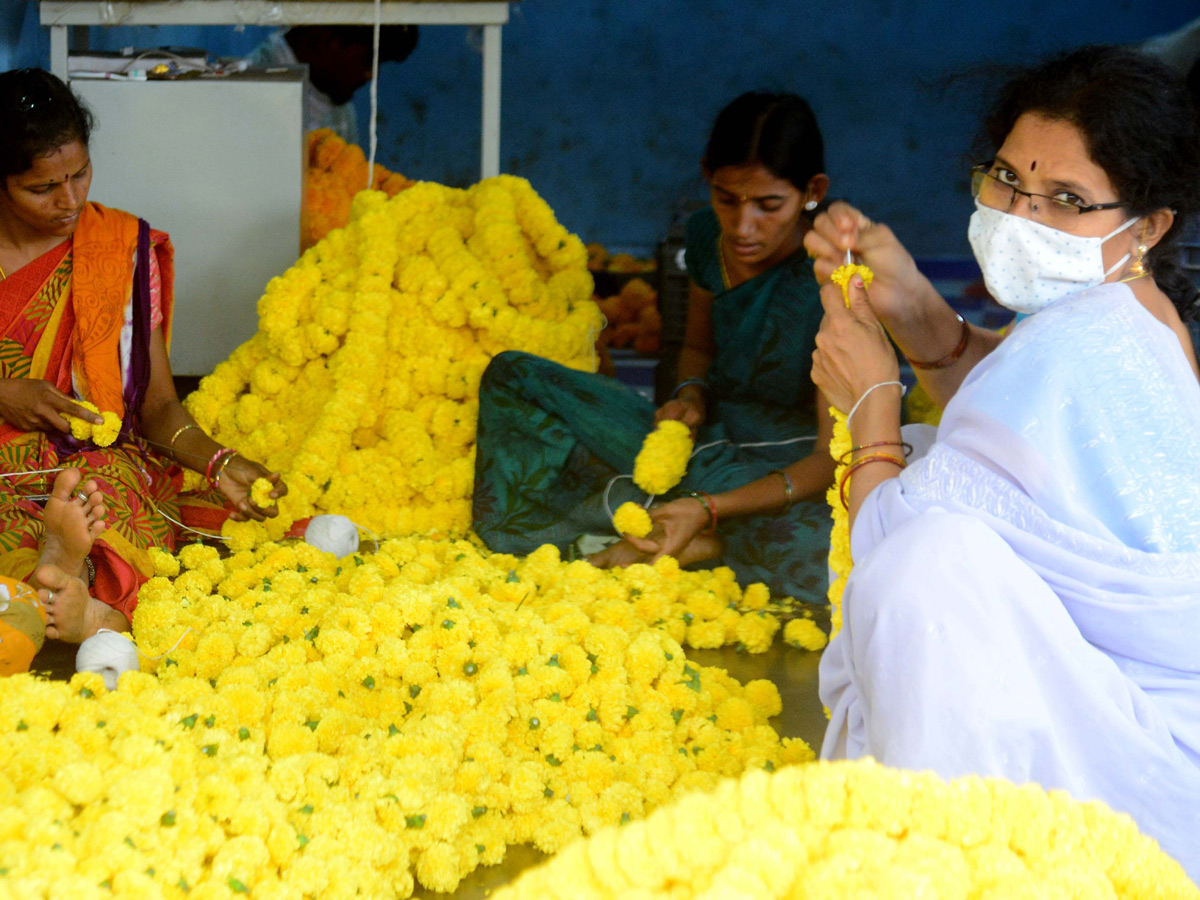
(552, 441)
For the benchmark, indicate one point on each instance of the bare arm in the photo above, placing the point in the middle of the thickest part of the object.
(690, 404)
(162, 418)
(810, 477)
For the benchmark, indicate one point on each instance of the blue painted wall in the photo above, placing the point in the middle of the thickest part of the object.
(606, 103)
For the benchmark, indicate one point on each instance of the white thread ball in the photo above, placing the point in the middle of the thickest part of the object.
(333, 534)
(108, 654)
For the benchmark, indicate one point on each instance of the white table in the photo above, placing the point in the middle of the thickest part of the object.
(60, 15)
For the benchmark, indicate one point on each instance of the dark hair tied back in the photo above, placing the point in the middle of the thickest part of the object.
(38, 114)
(776, 131)
(1140, 126)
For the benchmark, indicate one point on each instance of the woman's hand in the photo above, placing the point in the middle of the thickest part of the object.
(897, 282)
(32, 404)
(235, 481)
(853, 352)
(675, 525)
(690, 410)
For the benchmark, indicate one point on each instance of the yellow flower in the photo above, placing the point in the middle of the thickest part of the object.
(164, 562)
(805, 634)
(663, 459)
(260, 493)
(631, 518)
(842, 274)
(446, 279)
(756, 630)
(831, 830)
(107, 431)
(840, 562)
(101, 435)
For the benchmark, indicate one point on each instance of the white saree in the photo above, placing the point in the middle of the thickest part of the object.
(1025, 600)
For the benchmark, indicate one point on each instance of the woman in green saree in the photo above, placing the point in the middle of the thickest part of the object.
(552, 441)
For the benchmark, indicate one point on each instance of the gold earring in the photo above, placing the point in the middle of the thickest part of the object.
(1138, 268)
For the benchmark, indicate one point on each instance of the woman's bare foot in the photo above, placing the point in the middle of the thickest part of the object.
(71, 614)
(72, 522)
(617, 555)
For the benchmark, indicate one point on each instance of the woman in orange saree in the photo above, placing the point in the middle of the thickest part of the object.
(85, 314)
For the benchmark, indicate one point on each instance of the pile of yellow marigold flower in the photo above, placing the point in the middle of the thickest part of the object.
(337, 171)
(361, 384)
(334, 728)
(857, 829)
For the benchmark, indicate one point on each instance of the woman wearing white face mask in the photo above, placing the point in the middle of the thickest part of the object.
(1026, 596)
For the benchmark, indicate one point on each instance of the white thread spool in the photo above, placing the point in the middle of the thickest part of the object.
(333, 534)
(107, 653)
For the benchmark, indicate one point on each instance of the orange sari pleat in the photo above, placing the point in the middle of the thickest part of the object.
(91, 278)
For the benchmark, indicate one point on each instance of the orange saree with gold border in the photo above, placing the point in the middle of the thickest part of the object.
(61, 319)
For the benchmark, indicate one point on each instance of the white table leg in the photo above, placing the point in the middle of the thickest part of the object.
(59, 42)
(490, 136)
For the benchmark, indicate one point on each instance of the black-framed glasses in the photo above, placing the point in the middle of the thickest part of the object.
(989, 190)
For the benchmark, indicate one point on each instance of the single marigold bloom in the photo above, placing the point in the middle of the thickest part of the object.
(842, 274)
(107, 431)
(805, 634)
(632, 519)
(260, 493)
(101, 435)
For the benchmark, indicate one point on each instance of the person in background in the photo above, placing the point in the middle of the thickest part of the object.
(339, 63)
(551, 440)
(1025, 596)
(85, 315)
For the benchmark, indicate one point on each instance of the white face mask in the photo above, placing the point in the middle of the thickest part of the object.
(1027, 266)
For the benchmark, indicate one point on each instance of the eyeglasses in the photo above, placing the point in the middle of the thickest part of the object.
(1059, 211)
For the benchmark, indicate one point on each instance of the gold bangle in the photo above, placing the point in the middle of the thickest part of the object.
(175, 436)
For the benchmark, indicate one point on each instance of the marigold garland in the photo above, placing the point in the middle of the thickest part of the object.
(858, 829)
(336, 172)
(361, 384)
(840, 561)
(663, 459)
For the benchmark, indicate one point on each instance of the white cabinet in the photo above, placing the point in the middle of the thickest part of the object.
(218, 164)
